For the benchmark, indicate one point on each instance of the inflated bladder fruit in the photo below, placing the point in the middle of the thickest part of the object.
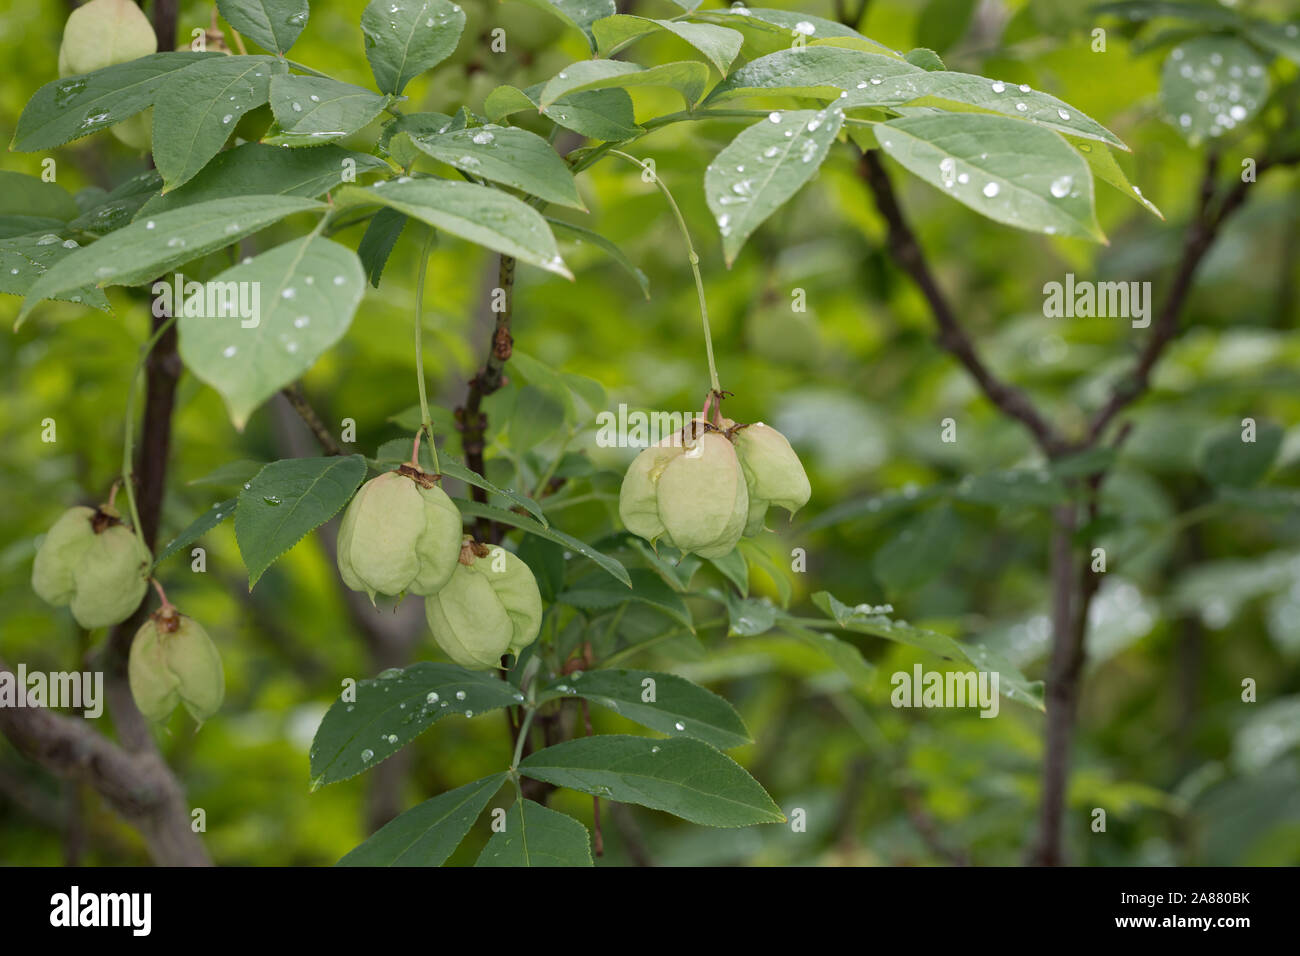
(400, 533)
(94, 563)
(687, 491)
(104, 33)
(173, 661)
(490, 607)
(773, 472)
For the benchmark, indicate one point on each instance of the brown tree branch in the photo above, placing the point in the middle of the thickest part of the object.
(906, 251)
(162, 371)
(470, 417)
(131, 775)
(1204, 229)
(137, 784)
(1062, 689)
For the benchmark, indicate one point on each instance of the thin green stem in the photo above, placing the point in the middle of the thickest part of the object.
(426, 419)
(554, 466)
(691, 256)
(128, 424)
(523, 737)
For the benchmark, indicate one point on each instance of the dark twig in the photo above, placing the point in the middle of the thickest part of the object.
(294, 396)
(1064, 671)
(906, 251)
(1204, 228)
(470, 417)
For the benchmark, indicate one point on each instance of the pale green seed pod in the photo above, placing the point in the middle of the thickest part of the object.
(64, 544)
(490, 607)
(173, 661)
(94, 563)
(110, 578)
(688, 491)
(773, 472)
(400, 533)
(103, 33)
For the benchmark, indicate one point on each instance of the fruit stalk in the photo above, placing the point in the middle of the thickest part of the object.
(426, 420)
(691, 257)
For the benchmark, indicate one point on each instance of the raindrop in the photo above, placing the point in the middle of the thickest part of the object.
(774, 117)
(483, 137)
(297, 107)
(272, 500)
(367, 755)
(1063, 114)
(679, 725)
(1060, 188)
(64, 93)
(991, 189)
(999, 87)
(47, 240)
(229, 352)
(948, 172)
(460, 695)
(301, 322)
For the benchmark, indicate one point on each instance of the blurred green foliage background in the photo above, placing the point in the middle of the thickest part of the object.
(1195, 598)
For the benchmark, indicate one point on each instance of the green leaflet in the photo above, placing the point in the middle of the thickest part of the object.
(307, 291)
(288, 499)
(1011, 172)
